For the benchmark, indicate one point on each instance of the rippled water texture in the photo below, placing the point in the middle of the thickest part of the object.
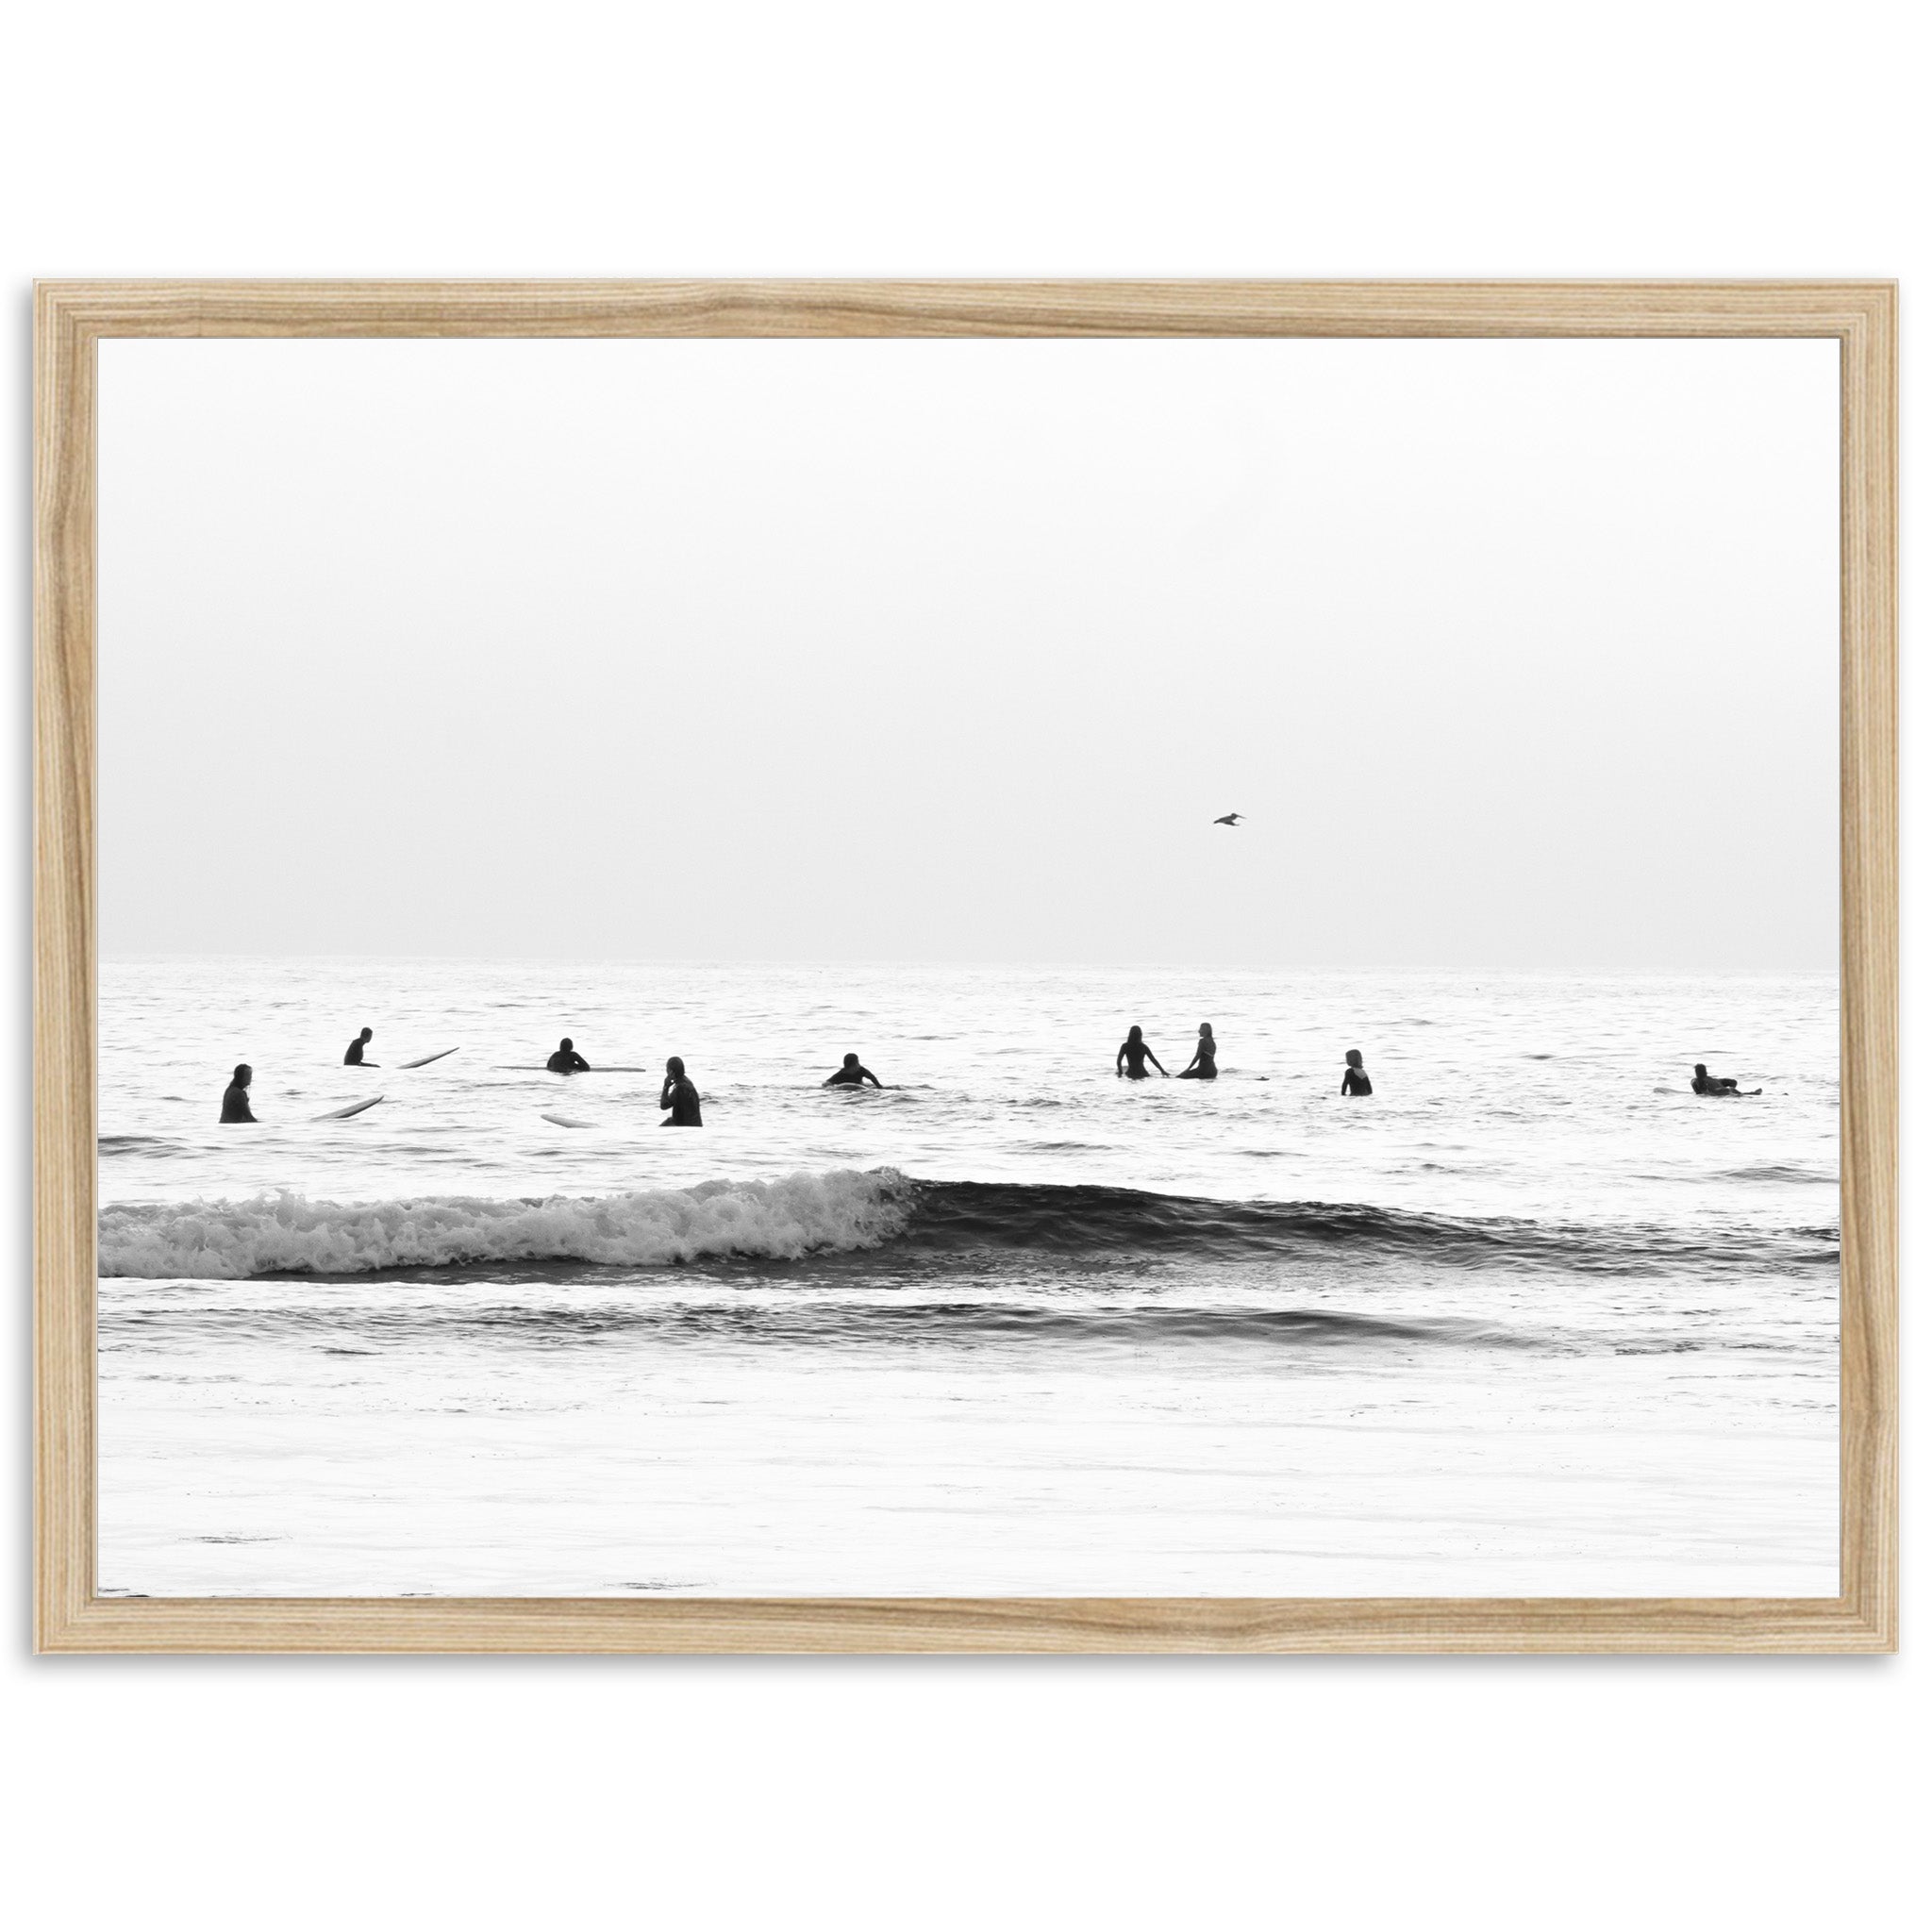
(1531, 1318)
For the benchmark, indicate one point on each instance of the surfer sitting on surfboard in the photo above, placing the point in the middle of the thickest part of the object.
(1202, 1066)
(235, 1101)
(1718, 1088)
(566, 1059)
(1130, 1062)
(680, 1096)
(852, 1075)
(1356, 1080)
(354, 1056)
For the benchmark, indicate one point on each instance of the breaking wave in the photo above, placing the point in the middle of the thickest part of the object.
(286, 1234)
(845, 1210)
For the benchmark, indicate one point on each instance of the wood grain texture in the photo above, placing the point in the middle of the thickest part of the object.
(64, 1460)
(231, 308)
(1867, 657)
(1143, 1625)
(72, 317)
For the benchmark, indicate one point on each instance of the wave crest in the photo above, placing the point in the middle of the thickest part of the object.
(287, 1234)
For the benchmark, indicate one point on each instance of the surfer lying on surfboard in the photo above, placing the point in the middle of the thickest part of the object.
(1717, 1088)
(852, 1075)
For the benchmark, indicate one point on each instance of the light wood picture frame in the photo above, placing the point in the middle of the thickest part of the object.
(73, 317)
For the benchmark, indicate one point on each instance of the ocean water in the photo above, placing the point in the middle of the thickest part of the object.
(1530, 1319)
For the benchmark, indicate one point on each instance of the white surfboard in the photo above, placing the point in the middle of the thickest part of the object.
(345, 1113)
(562, 1121)
(428, 1057)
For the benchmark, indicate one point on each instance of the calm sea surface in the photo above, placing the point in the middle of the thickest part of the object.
(1532, 1318)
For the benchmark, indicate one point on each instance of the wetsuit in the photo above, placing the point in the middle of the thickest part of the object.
(1204, 1067)
(235, 1105)
(354, 1056)
(851, 1076)
(561, 1062)
(1135, 1053)
(681, 1097)
(1355, 1081)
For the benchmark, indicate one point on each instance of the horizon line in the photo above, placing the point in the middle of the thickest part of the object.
(715, 962)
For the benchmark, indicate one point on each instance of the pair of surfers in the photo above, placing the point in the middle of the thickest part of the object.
(677, 1095)
(1131, 1061)
(235, 1108)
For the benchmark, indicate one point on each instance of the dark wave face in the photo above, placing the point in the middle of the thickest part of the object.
(894, 1221)
(1119, 1221)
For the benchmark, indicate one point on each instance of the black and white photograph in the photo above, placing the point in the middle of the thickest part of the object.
(898, 967)
(968, 973)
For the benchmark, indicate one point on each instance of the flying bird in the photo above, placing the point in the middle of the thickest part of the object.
(1234, 817)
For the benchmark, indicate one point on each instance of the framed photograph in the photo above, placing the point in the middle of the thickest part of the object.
(842, 966)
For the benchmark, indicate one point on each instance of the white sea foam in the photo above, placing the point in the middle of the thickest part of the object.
(286, 1233)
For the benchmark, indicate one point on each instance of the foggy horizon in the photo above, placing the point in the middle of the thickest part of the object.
(134, 956)
(1520, 656)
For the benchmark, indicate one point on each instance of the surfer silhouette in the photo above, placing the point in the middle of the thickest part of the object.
(1202, 1066)
(680, 1096)
(235, 1101)
(1716, 1088)
(566, 1059)
(354, 1056)
(1233, 818)
(1355, 1081)
(1130, 1062)
(852, 1075)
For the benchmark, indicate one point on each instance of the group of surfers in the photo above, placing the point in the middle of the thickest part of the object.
(683, 1107)
(1130, 1062)
(678, 1096)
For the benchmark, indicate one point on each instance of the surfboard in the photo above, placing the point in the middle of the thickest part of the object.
(345, 1113)
(560, 1121)
(428, 1057)
(581, 1072)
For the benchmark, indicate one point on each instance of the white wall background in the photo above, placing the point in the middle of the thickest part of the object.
(1686, 139)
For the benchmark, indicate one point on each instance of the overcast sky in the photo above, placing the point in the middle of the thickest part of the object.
(1514, 653)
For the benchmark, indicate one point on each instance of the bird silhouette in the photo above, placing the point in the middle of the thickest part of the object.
(1234, 817)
